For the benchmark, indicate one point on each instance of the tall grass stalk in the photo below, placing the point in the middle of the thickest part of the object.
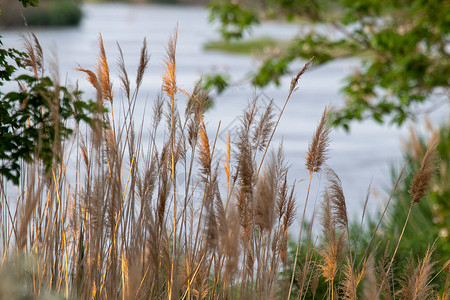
(316, 156)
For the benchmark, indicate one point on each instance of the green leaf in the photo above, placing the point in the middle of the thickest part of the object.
(26, 3)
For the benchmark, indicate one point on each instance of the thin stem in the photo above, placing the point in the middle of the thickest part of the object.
(172, 131)
(398, 243)
(397, 183)
(293, 85)
(437, 274)
(332, 289)
(300, 235)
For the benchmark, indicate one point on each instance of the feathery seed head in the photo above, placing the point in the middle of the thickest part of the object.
(422, 179)
(103, 71)
(169, 81)
(204, 149)
(318, 148)
(294, 80)
(143, 62)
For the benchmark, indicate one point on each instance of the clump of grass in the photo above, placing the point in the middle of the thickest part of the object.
(124, 216)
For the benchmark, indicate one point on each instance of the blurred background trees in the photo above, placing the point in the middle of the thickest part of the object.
(403, 47)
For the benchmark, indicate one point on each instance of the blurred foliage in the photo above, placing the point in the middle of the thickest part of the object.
(163, 2)
(234, 19)
(16, 280)
(47, 13)
(26, 3)
(217, 81)
(257, 45)
(405, 45)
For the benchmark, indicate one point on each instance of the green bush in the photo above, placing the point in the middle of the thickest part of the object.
(48, 13)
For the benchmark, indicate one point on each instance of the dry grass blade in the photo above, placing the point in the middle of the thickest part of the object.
(318, 148)
(422, 179)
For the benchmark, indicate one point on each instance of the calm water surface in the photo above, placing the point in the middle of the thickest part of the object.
(359, 158)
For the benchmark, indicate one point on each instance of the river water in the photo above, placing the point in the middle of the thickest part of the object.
(359, 158)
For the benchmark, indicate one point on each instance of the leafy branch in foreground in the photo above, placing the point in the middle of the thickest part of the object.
(34, 119)
(26, 3)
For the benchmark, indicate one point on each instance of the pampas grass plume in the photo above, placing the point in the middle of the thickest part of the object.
(318, 148)
(422, 179)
